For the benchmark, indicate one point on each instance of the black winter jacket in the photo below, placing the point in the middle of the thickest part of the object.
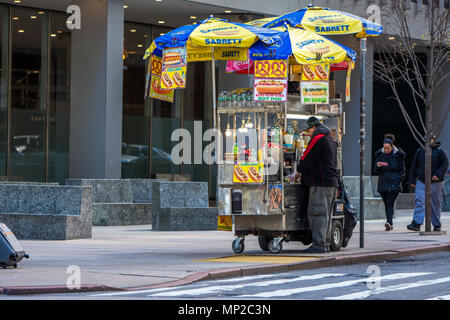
(390, 177)
(439, 164)
(319, 162)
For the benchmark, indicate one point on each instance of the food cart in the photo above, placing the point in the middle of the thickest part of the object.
(253, 183)
(272, 208)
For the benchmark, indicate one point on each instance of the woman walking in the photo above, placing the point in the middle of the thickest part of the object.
(390, 167)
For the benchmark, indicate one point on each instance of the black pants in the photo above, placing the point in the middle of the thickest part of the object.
(389, 203)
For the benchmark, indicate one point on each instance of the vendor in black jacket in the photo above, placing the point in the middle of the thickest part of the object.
(318, 170)
(390, 167)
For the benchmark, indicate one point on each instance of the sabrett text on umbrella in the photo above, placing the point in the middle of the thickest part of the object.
(332, 28)
(223, 41)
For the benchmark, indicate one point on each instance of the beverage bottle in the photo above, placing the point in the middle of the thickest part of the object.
(220, 103)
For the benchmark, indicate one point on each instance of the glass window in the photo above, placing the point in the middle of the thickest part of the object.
(28, 93)
(197, 109)
(166, 118)
(136, 109)
(59, 98)
(4, 50)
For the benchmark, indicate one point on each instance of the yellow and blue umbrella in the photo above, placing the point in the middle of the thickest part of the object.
(214, 32)
(305, 46)
(323, 21)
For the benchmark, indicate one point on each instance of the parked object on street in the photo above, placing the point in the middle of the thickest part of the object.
(439, 166)
(390, 167)
(11, 252)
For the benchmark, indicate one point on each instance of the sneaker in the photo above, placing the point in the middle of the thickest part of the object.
(315, 249)
(437, 228)
(413, 226)
(388, 226)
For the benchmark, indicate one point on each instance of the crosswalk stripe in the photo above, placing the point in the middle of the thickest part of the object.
(218, 288)
(239, 279)
(399, 287)
(447, 297)
(288, 292)
(133, 292)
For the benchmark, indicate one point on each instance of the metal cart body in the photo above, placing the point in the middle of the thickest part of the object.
(256, 215)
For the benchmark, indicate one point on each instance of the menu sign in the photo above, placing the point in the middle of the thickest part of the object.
(271, 69)
(156, 91)
(319, 72)
(248, 173)
(313, 92)
(270, 80)
(174, 68)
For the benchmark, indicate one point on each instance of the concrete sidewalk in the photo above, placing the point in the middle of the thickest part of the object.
(134, 256)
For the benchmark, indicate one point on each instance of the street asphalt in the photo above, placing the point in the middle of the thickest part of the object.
(419, 277)
(134, 257)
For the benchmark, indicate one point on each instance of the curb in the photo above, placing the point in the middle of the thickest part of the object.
(314, 264)
(55, 289)
(216, 274)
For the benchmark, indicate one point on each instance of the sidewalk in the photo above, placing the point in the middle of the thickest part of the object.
(135, 256)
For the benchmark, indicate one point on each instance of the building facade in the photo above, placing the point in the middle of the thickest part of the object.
(72, 100)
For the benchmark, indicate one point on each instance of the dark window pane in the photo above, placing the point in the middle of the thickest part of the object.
(4, 21)
(59, 98)
(136, 109)
(27, 101)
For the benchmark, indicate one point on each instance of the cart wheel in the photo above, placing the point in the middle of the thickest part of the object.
(15, 266)
(337, 235)
(238, 245)
(263, 241)
(273, 247)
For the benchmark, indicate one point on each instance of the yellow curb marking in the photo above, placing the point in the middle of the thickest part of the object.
(261, 259)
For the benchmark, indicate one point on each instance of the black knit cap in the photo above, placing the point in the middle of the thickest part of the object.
(312, 121)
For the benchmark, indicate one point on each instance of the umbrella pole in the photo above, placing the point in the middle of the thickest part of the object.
(213, 78)
(363, 46)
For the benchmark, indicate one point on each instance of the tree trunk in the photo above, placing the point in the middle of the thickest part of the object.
(429, 126)
(428, 152)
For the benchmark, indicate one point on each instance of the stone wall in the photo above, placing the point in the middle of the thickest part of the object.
(40, 212)
(119, 202)
(182, 206)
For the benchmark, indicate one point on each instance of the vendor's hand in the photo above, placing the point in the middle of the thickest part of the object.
(435, 178)
(413, 185)
(295, 176)
(378, 164)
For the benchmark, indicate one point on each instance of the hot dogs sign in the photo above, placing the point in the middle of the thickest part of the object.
(248, 173)
(174, 68)
(314, 84)
(270, 80)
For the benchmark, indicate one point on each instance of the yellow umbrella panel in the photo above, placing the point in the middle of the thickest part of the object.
(323, 21)
(304, 46)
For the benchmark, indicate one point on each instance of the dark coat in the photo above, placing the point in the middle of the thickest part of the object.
(319, 162)
(390, 177)
(439, 164)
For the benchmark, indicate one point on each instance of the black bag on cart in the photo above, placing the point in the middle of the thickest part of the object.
(11, 252)
(350, 215)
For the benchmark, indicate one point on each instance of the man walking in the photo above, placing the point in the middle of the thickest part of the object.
(318, 171)
(439, 165)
